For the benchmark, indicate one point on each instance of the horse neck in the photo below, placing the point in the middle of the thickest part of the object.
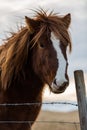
(33, 80)
(28, 88)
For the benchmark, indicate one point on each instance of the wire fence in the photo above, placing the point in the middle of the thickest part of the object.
(38, 103)
(40, 121)
(30, 122)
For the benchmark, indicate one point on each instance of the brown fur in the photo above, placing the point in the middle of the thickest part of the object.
(22, 80)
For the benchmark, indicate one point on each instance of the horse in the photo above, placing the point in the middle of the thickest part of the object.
(30, 58)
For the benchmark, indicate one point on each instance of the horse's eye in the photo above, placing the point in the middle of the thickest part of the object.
(42, 45)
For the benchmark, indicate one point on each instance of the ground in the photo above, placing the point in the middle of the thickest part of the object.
(56, 121)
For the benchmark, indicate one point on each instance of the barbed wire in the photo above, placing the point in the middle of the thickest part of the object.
(30, 122)
(38, 103)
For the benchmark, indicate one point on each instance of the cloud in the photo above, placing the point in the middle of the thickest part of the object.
(13, 12)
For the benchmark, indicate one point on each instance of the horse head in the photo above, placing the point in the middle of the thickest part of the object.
(49, 41)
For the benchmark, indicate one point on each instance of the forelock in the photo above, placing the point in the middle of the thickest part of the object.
(51, 21)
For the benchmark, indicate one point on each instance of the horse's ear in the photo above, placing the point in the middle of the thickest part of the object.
(30, 24)
(67, 20)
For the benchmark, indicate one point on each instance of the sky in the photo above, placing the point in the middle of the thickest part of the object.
(12, 13)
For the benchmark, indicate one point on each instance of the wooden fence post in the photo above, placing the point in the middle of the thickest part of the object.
(81, 97)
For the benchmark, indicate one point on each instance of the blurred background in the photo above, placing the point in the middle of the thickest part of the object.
(12, 14)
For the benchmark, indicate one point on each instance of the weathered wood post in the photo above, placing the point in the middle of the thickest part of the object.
(81, 97)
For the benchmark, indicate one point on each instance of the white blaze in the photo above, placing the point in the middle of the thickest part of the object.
(60, 75)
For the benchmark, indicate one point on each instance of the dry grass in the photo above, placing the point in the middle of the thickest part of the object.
(59, 117)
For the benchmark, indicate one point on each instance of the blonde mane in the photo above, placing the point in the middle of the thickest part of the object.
(13, 56)
(14, 53)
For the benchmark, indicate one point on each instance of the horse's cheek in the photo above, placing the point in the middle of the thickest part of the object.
(45, 69)
(38, 63)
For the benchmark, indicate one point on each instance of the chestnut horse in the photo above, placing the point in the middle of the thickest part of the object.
(30, 59)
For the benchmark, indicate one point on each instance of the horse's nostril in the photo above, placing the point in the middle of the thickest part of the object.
(55, 81)
(65, 84)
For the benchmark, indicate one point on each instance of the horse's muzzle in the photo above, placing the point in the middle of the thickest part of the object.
(59, 89)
